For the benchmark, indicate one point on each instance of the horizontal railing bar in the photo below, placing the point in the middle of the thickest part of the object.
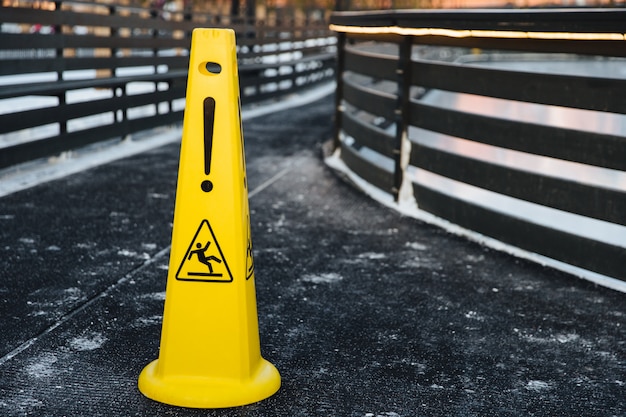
(612, 48)
(56, 87)
(370, 100)
(572, 196)
(368, 135)
(72, 18)
(540, 20)
(585, 147)
(589, 93)
(61, 113)
(33, 66)
(370, 172)
(371, 64)
(11, 41)
(599, 257)
(306, 59)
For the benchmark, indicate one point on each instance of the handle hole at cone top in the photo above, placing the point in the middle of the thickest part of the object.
(213, 67)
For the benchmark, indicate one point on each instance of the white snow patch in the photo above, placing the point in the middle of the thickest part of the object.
(412, 263)
(133, 254)
(559, 338)
(537, 386)
(90, 342)
(50, 306)
(473, 315)
(327, 278)
(158, 296)
(148, 321)
(566, 338)
(416, 246)
(41, 367)
(372, 255)
(72, 294)
(475, 259)
(87, 245)
(383, 414)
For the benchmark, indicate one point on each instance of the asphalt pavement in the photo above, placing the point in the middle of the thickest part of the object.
(364, 312)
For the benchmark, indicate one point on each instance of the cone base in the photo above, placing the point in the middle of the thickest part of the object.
(203, 392)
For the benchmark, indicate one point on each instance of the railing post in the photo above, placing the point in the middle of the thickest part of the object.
(402, 113)
(60, 55)
(339, 108)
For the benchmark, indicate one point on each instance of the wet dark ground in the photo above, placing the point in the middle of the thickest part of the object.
(364, 312)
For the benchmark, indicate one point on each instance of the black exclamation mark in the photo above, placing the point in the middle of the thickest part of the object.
(212, 68)
(209, 122)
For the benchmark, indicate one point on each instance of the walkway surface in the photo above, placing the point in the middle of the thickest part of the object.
(363, 311)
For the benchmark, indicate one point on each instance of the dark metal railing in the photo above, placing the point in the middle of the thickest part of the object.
(391, 134)
(78, 72)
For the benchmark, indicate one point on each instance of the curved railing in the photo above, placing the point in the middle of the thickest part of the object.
(441, 114)
(75, 72)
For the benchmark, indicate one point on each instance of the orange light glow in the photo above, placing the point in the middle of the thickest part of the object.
(396, 30)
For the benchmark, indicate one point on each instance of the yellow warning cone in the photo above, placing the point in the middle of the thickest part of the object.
(210, 352)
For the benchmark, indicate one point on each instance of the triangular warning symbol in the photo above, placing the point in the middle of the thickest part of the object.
(204, 260)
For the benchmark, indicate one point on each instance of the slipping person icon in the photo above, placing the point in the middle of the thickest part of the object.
(201, 253)
(204, 261)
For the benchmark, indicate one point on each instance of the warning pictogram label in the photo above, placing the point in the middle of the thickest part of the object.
(204, 260)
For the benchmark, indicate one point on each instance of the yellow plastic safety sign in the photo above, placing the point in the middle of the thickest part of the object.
(210, 352)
